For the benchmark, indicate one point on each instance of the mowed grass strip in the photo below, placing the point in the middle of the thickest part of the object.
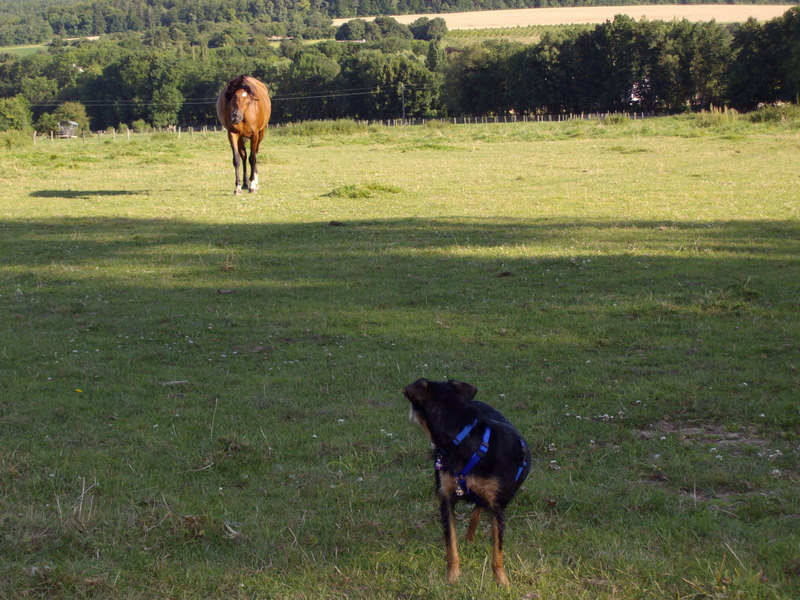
(201, 392)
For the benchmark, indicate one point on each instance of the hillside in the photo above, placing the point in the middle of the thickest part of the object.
(26, 22)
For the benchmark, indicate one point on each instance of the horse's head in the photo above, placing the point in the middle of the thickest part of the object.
(238, 97)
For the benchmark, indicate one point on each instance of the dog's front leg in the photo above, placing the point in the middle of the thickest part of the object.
(498, 528)
(448, 515)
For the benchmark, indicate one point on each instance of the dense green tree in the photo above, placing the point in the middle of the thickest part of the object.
(607, 67)
(166, 103)
(290, 48)
(539, 81)
(15, 113)
(47, 124)
(307, 87)
(354, 30)
(373, 85)
(766, 63)
(705, 55)
(140, 86)
(39, 90)
(478, 79)
(391, 28)
(432, 30)
(435, 57)
(753, 72)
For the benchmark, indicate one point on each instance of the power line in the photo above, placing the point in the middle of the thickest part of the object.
(399, 88)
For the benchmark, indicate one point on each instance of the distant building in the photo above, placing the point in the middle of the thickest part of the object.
(67, 129)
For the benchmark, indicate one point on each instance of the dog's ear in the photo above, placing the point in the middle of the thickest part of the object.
(466, 390)
(419, 391)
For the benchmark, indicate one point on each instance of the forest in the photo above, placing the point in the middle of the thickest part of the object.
(37, 21)
(162, 78)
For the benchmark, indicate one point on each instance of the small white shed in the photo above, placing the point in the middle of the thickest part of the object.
(67, 129)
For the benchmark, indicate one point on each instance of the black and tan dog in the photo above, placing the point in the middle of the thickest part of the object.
(479, 457)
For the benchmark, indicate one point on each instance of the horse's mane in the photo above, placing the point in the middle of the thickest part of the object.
(238, 83)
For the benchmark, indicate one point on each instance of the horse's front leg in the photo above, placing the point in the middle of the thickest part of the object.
(243, 158)
(253, 172)
(254, 144)
(234, 141)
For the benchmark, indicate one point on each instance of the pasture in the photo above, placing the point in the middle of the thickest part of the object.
(23, 50)
(201, 393)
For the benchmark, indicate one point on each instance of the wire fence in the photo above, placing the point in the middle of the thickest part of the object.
(181, 130)
(518, 118)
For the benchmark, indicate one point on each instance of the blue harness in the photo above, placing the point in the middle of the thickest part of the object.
(461, 478)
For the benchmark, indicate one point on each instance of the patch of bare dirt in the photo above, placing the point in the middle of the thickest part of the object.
(706, 433)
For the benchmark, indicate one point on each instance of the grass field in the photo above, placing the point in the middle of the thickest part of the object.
(22, 50)
(201, 392)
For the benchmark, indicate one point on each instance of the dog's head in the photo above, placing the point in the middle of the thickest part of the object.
(433, 400)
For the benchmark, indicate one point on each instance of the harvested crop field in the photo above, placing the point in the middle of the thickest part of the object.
(523, 17)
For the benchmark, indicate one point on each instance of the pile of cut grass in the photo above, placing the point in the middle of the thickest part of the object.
(366, 190)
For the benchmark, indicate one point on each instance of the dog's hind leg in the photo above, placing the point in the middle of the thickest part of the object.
(450, 539)
(474, 521)
(498, 528)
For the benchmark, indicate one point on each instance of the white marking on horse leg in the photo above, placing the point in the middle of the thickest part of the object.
(254, 183)
(237, 191)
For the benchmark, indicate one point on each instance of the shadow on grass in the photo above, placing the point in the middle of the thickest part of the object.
(70, 194)
(328, 249)
(644, 300)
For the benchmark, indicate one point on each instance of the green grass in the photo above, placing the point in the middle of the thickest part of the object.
(22, 50)
(201, 392)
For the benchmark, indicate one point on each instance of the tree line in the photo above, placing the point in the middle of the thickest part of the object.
(37, 21)
(620, 65)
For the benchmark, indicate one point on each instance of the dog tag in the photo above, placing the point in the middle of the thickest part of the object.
(438, 464)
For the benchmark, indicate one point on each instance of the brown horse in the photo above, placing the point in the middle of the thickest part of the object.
(244, 108)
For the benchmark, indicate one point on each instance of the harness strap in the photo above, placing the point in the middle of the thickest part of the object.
(456, 441)
(464, 433)
(477, 455)
(524, 461)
